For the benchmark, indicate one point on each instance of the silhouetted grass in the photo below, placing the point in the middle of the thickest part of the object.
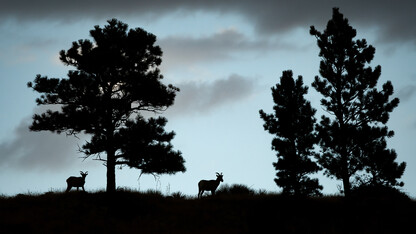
(150, 212)
(235, 189)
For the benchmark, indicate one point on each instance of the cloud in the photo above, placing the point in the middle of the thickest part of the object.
(45, 151)
(38, 151)
(180, 49)
(18, 50)
(220, 46)
(394, 19)
(406, 93)
(203, 97)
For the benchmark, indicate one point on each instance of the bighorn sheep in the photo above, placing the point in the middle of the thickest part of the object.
(77, 182)
(209, 185)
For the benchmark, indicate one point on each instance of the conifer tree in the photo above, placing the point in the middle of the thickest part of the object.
(116, 78)
(292, 123)
(353, 136)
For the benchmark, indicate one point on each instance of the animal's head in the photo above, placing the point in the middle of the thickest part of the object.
(84, 174)
(219, 177)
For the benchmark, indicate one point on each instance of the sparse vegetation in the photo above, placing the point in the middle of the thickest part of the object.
(147, 212)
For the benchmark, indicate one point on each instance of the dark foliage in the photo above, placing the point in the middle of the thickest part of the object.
(370, 191)
(234, 189)
(353, 138)
(116, 77)
(292, 123)
(131, 212)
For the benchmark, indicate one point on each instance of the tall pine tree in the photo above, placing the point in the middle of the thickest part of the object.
(353, 137)
(116, 78)
(292, 123)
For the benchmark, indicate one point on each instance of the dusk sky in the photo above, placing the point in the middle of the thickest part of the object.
(223, 55)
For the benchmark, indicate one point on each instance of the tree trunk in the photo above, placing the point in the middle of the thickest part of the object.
(347, 186)
(111, 171)
(345, 173)
(345, 176)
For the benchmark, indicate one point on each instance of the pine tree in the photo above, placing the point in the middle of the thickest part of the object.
(292, 123)
(352, 139)
(116, 78)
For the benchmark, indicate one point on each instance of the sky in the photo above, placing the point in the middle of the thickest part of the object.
(223, 55)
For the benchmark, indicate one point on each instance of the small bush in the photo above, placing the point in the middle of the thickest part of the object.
(153, 193)
(178, 195)
(235, 189)
(380, 192)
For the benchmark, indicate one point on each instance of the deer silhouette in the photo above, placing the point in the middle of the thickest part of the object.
(77, 182)
(209, 185)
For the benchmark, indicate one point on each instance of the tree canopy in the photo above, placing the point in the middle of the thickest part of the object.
(292, 123)
(116, 78)
(353, 136)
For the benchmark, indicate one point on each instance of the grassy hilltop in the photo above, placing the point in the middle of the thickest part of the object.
(151, 212)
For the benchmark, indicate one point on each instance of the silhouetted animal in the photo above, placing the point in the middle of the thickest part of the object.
(209, 185)
(77, 182)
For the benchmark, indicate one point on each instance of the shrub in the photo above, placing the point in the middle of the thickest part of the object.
(235, 189)
(379, 191)
(178, 195)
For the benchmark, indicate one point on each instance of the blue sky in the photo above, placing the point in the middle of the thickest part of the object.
(224, 55)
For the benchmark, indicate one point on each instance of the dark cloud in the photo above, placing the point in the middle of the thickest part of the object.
(202, 97)
(394, 19)
(38, 151)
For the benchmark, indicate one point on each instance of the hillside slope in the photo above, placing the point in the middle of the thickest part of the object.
(130, 212)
